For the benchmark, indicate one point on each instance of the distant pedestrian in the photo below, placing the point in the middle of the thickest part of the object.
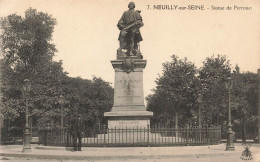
(79, 132)
(76, 130)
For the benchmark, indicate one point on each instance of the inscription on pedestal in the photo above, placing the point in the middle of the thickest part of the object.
(128, 89)
(128, 110)
(128, 123)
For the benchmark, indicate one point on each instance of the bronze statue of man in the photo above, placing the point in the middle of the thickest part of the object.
(130, 35)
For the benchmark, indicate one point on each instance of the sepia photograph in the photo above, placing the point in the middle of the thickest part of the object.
(129, 80)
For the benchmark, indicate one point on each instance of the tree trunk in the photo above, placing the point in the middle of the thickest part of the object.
(243, 131)
(217, 120)
(176, 123)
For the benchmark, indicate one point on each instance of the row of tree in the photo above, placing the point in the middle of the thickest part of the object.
(27, 53)
(175, 99)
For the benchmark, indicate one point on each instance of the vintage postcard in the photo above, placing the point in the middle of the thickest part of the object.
(120, 80)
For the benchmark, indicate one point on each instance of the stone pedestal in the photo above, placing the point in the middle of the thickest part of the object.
(128, 110)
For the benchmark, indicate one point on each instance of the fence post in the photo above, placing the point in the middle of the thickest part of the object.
(45, 137)
(220, 132)
(200, 131)
(148, 132)
(104, 131)
(219, 135)
(115, 136)
(156, 130)
(133, 135)
(108, 135)
(207, 134)
(137, 135)
(212, 133)
(122, 135)
(119, 135)
(67, 140)
(187, 135)
(126, 135)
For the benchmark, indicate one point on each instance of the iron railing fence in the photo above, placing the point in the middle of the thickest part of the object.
(55, 137)
(133, 137)
(14, 135)
(238, 136)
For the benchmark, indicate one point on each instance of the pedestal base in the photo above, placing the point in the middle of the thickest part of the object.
(230, 148)
(25, 150)
(26, 140)
(128, 119)
(128, 110)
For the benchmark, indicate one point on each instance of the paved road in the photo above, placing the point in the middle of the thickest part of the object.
(212, 153)
(203, 159)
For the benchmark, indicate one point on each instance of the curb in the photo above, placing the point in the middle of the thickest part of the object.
(87, 157)
(54, 148)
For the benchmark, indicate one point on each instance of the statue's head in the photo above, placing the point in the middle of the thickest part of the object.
(131, 5)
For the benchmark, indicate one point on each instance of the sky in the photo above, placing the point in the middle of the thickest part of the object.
(86, 34)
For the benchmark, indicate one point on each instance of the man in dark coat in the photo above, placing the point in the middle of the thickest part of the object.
(76, 129)
(129, 25)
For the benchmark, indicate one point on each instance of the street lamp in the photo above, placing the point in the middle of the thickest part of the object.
(26, 140)
(230, 144)
(61, 101)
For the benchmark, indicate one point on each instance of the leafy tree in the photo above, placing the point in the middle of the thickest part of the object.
(89, 98)
(175, 93)
(213, 75)
(26, 40)
(177, 89)
(27, 54)
(244, 101)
